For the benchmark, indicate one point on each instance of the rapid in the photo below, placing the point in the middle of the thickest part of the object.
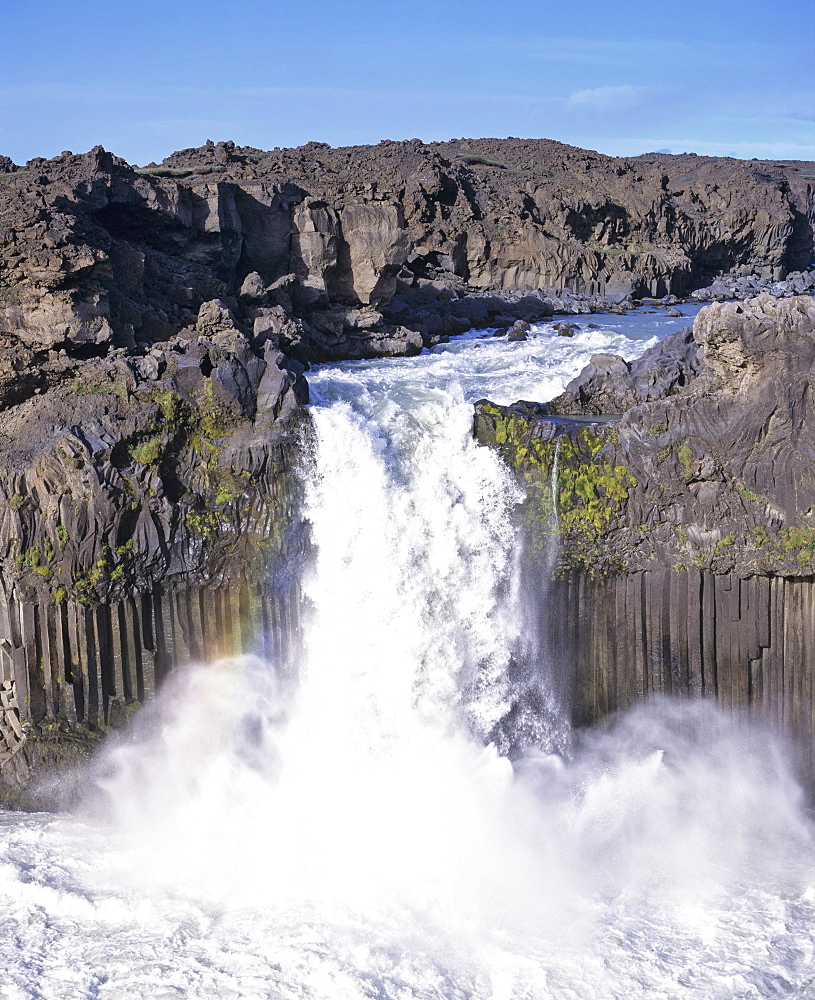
(408, 814)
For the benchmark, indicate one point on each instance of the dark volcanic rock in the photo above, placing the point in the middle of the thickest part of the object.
(687, 559)
(610, 385)
(376, 250)
(709, 464)
(147, 517)
(129, 473)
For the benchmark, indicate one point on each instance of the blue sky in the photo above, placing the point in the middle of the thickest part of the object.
(145, 79)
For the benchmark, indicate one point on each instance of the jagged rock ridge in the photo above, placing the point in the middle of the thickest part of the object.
(368, 250)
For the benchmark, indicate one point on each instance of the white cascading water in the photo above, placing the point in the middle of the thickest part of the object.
(356, 833)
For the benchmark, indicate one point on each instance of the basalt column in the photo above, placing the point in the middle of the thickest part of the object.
(685, 495)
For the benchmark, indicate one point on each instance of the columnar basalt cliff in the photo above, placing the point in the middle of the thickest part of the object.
(148, 516)
(155, 324)
(686, 504)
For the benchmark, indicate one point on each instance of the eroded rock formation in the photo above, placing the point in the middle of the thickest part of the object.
(147, 517)
(374, 250)
(686, 512)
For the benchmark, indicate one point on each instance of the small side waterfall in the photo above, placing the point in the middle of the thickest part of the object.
(554, 518)
(539, 675)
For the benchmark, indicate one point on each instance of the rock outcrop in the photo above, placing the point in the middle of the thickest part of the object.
(155, 324)
(148, 516)
(377, 250)
(686, 499)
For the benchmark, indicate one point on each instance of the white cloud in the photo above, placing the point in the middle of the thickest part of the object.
(605, 98)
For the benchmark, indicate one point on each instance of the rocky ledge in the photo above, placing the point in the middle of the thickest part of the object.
(702, 454)
(686, 503)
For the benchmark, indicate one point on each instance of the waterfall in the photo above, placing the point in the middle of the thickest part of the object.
(409, 814)
(553, 480)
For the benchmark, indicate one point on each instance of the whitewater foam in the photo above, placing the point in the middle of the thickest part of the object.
(352, 833)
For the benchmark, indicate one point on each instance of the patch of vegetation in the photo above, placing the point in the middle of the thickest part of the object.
(724, 543)
(591, 491)
(99, 389)
(747, 494)
(760, 535)
(149, 451)
(798, 543)
(685, 455)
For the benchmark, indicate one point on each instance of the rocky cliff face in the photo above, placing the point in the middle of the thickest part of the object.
(369, 250)
(148, 516)
(705, 461)
(154, 325)
(686, 496)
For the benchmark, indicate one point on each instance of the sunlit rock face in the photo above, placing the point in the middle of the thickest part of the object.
(685, 511)
(94, 251)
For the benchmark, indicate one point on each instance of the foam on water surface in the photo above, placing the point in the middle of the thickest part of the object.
(353, 833)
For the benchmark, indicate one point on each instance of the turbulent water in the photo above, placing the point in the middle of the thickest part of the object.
(356, 833)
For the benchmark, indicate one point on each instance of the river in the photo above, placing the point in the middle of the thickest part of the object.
(354, 831)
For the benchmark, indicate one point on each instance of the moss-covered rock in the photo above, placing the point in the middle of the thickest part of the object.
(708, 467)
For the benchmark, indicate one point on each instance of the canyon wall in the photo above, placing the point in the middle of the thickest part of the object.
(686, 496)
(149, 516)
(155, 324)
(375, 250)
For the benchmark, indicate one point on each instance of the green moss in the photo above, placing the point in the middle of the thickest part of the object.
(798, 544)
(205, 523)
(60, 595)
(656, 429)
(148, 452)
(18, 501)
(32, 557)
(99, 388)
(172, 405)
(214, 418)
(760, 535)
(82, 590)
(62, 537)
(723, 544)
(685, 455)
(591, 490)
(747, 494)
